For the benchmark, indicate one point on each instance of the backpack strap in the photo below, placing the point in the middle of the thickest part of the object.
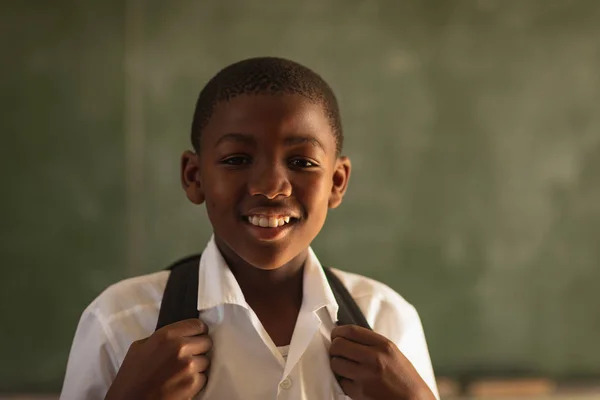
(348, 312)
(180, 299)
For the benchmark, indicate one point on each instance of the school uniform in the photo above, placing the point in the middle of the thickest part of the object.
(245, 363)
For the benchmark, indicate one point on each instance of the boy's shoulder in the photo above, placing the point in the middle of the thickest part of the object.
(362, 289)
(386, 310)
(130, 296)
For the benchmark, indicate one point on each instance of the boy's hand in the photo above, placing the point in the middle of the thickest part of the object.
(170, 364)
(370, 367)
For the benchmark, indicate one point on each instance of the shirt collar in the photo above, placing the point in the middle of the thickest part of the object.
(217, 285)
(317, 292)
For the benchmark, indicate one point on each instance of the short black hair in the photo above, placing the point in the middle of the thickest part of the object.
(266, 75)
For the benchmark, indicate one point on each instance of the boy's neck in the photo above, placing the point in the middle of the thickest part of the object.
(274, 295)
(282, 283)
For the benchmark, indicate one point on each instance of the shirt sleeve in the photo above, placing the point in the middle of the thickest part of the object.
(92, 363)
(399, 321)
(414, 347)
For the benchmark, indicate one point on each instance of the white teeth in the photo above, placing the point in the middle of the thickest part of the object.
(268, 222)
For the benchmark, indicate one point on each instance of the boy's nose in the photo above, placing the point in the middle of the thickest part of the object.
(270, 181)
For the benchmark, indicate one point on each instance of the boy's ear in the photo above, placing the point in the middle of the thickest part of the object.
(190, 177)
(341, 176)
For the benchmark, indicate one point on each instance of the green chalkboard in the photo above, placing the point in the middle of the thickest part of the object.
(473, 126)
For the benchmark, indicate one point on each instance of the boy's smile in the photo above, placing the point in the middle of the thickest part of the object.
(270, 223)
(268, 171)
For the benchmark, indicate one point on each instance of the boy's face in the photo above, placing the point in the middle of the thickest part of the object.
(266, 160)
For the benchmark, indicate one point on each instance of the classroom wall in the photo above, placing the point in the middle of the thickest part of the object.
(473, 127)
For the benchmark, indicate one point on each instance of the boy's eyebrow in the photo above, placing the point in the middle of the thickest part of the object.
(294, 140)
(236, 137)
(289, 141)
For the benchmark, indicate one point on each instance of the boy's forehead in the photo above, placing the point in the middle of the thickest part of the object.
(269, 115)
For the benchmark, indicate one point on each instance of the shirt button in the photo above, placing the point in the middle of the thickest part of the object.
(286, 383)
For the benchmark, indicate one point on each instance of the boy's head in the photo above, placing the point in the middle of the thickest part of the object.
(266, 75)
(267, 137)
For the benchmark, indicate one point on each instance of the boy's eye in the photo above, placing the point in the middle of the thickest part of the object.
(302, 163)
(236, 160)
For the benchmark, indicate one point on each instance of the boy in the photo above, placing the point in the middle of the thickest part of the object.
(267, 138)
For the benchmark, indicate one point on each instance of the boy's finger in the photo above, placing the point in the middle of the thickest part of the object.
(341, 347)
(196, 345)
(350, 388)
(358, 334)
(188, 386)
(200, 363)
(345, 368)
(187, 327)
(141, 341)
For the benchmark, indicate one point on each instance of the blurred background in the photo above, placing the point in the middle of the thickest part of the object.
(474, 131)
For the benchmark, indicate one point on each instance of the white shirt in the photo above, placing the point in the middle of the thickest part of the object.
(245, 363)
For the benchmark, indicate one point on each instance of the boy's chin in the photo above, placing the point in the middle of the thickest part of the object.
(269, 259)
(264, 255)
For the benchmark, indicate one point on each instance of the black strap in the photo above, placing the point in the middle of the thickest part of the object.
(180, 299)
(348, 312)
